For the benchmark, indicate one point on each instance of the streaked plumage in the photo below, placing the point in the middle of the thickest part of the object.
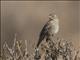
(49, 29)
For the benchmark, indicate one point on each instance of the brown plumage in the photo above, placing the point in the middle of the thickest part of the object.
(49, 29)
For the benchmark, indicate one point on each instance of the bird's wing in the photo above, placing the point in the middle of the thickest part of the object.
(43, 33)
(44, 30)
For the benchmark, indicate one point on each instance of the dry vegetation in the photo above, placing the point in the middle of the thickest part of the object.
(51, 50)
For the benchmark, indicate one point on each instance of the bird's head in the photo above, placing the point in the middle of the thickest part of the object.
(52, 16)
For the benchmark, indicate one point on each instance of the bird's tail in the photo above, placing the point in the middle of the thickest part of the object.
(39, 41)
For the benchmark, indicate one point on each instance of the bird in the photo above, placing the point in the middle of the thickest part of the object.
(50, 29)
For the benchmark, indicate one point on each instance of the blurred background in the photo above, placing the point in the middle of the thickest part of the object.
(27, 18)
